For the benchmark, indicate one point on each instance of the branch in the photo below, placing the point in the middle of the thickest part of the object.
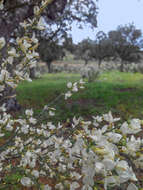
(8, 142)
(16, 7)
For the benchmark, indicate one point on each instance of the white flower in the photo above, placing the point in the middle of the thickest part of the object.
(124, 128)
(25, 24)
(44, 3)
(2, 134)
(135, 125)
(97, 136)
(11, 83)
(26, 44)
(12, 52)
(109, 164)
(10, 60)
(139, 162)
(32, 164)
(67, 95)
(32, 120)
(76, 175)
(98, 118)
(34, 39)
(29, 159)
(2, 88)
(87, 187)
(4, 75)
(88, 178)
(26, 181)
(3, 108)
(25, 129)
(59, 125)
(39, 131)
(51, 113)
(47, 187)
(1, 4)
(74, 185)
(59, 186)
(69, 84)
(36, 10)
(41, 25)
(29, 112)
(30, 55)
(111, 181)
(109, 118)
(75, 89)
(2, 42)
(81, 81)
(45, 107)
(124, 171)
(133, 145)
(99, 167)
(81, 87)
(67, 144)
(9, 127)
(51, 126)
(132, 186)
(133, 128)
(35, 173)
(76, 121)
(114, 137)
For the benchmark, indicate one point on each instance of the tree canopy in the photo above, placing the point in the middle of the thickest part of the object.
(50, 51)
(127, 42)
(58, 15)
(83, 50)
(102, 47)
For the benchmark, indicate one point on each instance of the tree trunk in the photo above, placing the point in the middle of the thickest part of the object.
(49, 67)
(9, 99)
(32, 73)
(9, 94)
(99, 62)
(122, 66)
(86, 62)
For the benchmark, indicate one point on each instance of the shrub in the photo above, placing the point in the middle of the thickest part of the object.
(90, 72)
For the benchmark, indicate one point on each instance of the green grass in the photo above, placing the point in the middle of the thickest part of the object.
(122, 93)
(42, 91)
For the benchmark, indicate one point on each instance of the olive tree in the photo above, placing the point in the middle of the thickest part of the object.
(102, 47)
(83, 50)
(49, 51)
(126, 42)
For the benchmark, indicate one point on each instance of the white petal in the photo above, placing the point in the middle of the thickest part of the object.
(132, 187)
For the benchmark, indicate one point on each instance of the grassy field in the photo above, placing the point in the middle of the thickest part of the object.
(122, 93)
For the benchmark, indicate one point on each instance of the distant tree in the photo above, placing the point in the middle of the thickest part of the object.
(83, 50)
(68, 43)
(50, 51)
(126, 42)
(101, 48)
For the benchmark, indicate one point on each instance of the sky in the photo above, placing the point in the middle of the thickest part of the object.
(111, 14)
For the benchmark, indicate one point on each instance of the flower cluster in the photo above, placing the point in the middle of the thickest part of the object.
(79, 154)
(74, 88)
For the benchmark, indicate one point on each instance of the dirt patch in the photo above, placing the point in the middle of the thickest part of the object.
(84, 102)
(125, 89)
